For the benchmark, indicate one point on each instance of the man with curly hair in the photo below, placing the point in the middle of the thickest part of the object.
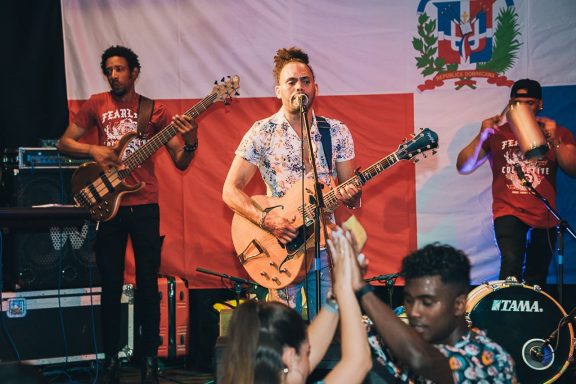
(273, 147)
(436, 345)
(113, 115)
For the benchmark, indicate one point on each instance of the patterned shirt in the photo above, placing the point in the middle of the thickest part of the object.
(275, 148)
(473, 359)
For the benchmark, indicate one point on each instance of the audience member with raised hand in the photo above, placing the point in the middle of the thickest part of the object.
(269, 342)
(437, 346)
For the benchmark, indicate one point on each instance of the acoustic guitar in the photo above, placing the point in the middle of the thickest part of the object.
(101, 190)
(275, 265)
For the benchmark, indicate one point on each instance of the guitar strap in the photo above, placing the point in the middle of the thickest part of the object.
(324, 128)
(145, 107)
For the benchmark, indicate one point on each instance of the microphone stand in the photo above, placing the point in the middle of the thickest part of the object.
(538, 352)
(389, 280)
(237, 281)
(316, 200)
(563, 226)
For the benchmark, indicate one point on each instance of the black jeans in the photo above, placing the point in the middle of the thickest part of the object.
(142, 223)
(523, 246)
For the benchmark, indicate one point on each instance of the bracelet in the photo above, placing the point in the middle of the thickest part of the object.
(190, 147)
(363, 291)
(262, 217)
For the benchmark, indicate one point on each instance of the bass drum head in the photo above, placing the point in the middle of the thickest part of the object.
(520, 318)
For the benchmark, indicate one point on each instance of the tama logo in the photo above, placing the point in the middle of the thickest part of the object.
(516, 306)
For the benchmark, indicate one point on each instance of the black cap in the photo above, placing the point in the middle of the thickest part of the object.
(530, 88)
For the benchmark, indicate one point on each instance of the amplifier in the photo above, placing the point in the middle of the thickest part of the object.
(46, 158)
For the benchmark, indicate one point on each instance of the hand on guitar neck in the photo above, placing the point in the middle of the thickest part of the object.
(349, 195)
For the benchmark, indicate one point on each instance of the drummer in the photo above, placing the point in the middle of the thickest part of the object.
(524, 228)
(437, 345)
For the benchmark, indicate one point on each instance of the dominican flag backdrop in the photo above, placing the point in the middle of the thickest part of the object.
(384, 67)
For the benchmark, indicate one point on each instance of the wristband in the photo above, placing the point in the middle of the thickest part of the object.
(362, 291)
(556, 143)
(332, 306)
(352, 207)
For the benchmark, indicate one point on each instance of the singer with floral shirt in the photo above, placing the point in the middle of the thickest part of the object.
(272, 146)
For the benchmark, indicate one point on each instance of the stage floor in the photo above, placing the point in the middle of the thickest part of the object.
(128, 375)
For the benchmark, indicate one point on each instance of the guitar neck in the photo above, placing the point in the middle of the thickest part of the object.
(161, 138)
(331, 202)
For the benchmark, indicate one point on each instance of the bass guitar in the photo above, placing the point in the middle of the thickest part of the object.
(101, 190)
(275, 265)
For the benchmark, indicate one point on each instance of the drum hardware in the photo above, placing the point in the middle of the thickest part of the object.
(539, 352)
(563, 226)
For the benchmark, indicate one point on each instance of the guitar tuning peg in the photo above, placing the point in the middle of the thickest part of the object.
(222, 79)
(421, 129)
(412, 135)
(434, 152)
(424, 154)
(228, 76)
(415, 160)
(215, 82)
(404, 140)
(236, 93)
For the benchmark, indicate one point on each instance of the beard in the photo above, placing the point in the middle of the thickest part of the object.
(118, 90)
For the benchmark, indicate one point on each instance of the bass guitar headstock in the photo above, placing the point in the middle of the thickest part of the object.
(226, 88)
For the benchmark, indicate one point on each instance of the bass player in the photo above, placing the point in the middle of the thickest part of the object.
(114, 114)
(273, 146)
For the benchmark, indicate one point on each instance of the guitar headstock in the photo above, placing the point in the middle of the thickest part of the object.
(426, 140)
(226, 88)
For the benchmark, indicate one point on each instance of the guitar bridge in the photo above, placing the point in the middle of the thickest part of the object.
(244, 257)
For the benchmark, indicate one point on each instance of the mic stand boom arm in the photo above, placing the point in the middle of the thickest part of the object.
(237, 281)
(539, 353)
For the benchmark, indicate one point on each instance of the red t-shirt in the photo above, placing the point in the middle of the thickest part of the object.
(114, 118)
(510, 197)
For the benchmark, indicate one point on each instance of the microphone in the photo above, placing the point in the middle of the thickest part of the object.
(386, 278)
(302, 101)
(521, 175)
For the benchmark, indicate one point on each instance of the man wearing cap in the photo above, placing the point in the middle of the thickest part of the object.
(516, 211)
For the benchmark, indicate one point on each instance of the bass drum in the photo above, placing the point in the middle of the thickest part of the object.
(519, 318)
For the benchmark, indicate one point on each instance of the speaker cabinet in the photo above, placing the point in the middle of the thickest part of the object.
(38, 256)
(50, 258)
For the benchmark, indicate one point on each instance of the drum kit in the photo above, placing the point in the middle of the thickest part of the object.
(528, 323)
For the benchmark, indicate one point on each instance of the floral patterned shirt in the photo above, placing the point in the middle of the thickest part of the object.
(275, 148)
(473, 359)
